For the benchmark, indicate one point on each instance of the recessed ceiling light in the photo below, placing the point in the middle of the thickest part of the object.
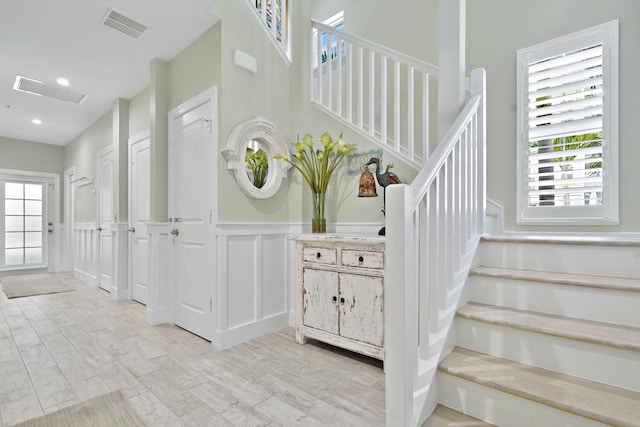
(62, 81)
(36, 121)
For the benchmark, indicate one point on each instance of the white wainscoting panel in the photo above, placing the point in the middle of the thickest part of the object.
(252, 282)
(60, 247)
(105, 266)
(160, 297)
(85, 257)
(119, 261)
(274, 275)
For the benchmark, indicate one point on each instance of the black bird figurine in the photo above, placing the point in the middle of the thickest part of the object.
(384, 179)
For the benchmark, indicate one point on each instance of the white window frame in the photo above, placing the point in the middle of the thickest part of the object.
(608, 212)
(336, 21)
(51, 206)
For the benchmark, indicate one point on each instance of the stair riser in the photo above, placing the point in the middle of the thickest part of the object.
(614, 261)
(603, 305)
(567, 356)
(503, 409)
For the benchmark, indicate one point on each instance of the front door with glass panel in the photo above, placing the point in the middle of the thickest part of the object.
(23, 220)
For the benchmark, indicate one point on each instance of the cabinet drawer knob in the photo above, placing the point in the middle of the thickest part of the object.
(341, 300)
(334, 299)
(318, 255)
(360, 259)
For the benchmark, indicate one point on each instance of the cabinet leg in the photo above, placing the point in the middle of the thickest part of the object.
(300, 339)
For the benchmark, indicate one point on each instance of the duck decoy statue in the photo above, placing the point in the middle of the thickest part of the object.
(384, 180)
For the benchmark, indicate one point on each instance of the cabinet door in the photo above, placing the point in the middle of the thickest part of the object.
(361, 308)
(320, 288)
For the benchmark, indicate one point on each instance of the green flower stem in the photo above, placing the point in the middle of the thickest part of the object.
(316, 167)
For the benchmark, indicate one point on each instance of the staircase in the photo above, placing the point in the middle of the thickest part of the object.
(550, 335)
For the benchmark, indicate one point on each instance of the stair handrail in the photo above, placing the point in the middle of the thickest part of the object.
(432, 229)
(388, 105)
(356, 40)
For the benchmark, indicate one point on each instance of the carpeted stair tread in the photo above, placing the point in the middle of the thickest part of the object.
(447, 417)
(618, 336)
(565, 239)
(599, 402)
(617, 283)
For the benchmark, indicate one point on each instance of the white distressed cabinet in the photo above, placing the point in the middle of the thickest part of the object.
(340, 291)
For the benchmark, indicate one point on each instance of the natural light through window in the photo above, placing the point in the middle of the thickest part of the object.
(568, 128)
(23, 224)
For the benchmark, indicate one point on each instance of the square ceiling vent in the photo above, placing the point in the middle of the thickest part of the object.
(36, 87)
(125, 24)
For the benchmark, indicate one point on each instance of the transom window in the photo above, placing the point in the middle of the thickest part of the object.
(567, 129)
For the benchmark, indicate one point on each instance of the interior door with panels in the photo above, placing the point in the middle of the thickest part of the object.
(191, 211)
(139, 215)
(105, 168)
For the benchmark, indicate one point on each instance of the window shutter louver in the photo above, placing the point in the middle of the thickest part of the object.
(567, 129)
(565, 99)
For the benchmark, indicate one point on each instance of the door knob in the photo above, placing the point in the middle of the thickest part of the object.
(132, 230)
(99, 228)
(175, 232)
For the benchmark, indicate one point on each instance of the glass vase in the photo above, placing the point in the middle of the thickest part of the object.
(318, 222)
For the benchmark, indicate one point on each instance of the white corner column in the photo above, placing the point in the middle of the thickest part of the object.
(159, 304)
(451, 58)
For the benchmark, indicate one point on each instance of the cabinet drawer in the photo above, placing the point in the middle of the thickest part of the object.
(366, 259)
(319, 255)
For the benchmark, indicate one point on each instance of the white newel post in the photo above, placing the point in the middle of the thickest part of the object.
(479, 87)
(401, 309)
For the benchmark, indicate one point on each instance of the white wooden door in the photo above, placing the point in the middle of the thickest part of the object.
(105, 168)
(139, 215)
(191, 209)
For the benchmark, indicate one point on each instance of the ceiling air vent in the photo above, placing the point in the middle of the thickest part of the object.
(36, 87)
(124, 24)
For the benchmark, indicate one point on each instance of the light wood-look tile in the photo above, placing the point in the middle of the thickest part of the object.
(61, 349)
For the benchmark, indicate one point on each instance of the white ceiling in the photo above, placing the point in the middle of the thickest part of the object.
(49, 39)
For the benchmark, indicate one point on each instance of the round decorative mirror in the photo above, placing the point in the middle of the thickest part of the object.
(250, 152)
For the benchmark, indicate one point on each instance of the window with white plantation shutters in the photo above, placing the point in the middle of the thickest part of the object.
(567, 129)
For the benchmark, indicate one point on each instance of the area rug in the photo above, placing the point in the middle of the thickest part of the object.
(35, 284)
(108, 410)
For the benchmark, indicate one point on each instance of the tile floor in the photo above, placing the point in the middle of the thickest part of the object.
(57, 350)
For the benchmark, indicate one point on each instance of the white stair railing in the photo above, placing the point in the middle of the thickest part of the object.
(274, 18)
(432, 229)
(382, 94)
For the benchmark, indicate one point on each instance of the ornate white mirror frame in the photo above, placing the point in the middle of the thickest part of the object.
(271, 140)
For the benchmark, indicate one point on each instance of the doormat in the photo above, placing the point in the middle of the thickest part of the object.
(35, 284)
(108, 410)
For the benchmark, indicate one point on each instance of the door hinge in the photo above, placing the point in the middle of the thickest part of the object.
(211, 304)
(207, 123)
(210, 216)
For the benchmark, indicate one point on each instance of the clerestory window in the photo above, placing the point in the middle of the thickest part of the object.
(567, 129)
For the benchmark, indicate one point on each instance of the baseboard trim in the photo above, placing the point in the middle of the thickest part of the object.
(85, 277)
(240, 334)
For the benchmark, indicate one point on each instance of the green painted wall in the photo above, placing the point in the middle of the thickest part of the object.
(139, 113)
(279, 92)
(81, 153)
(496, 29)
(245, 96)
(31, 156)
